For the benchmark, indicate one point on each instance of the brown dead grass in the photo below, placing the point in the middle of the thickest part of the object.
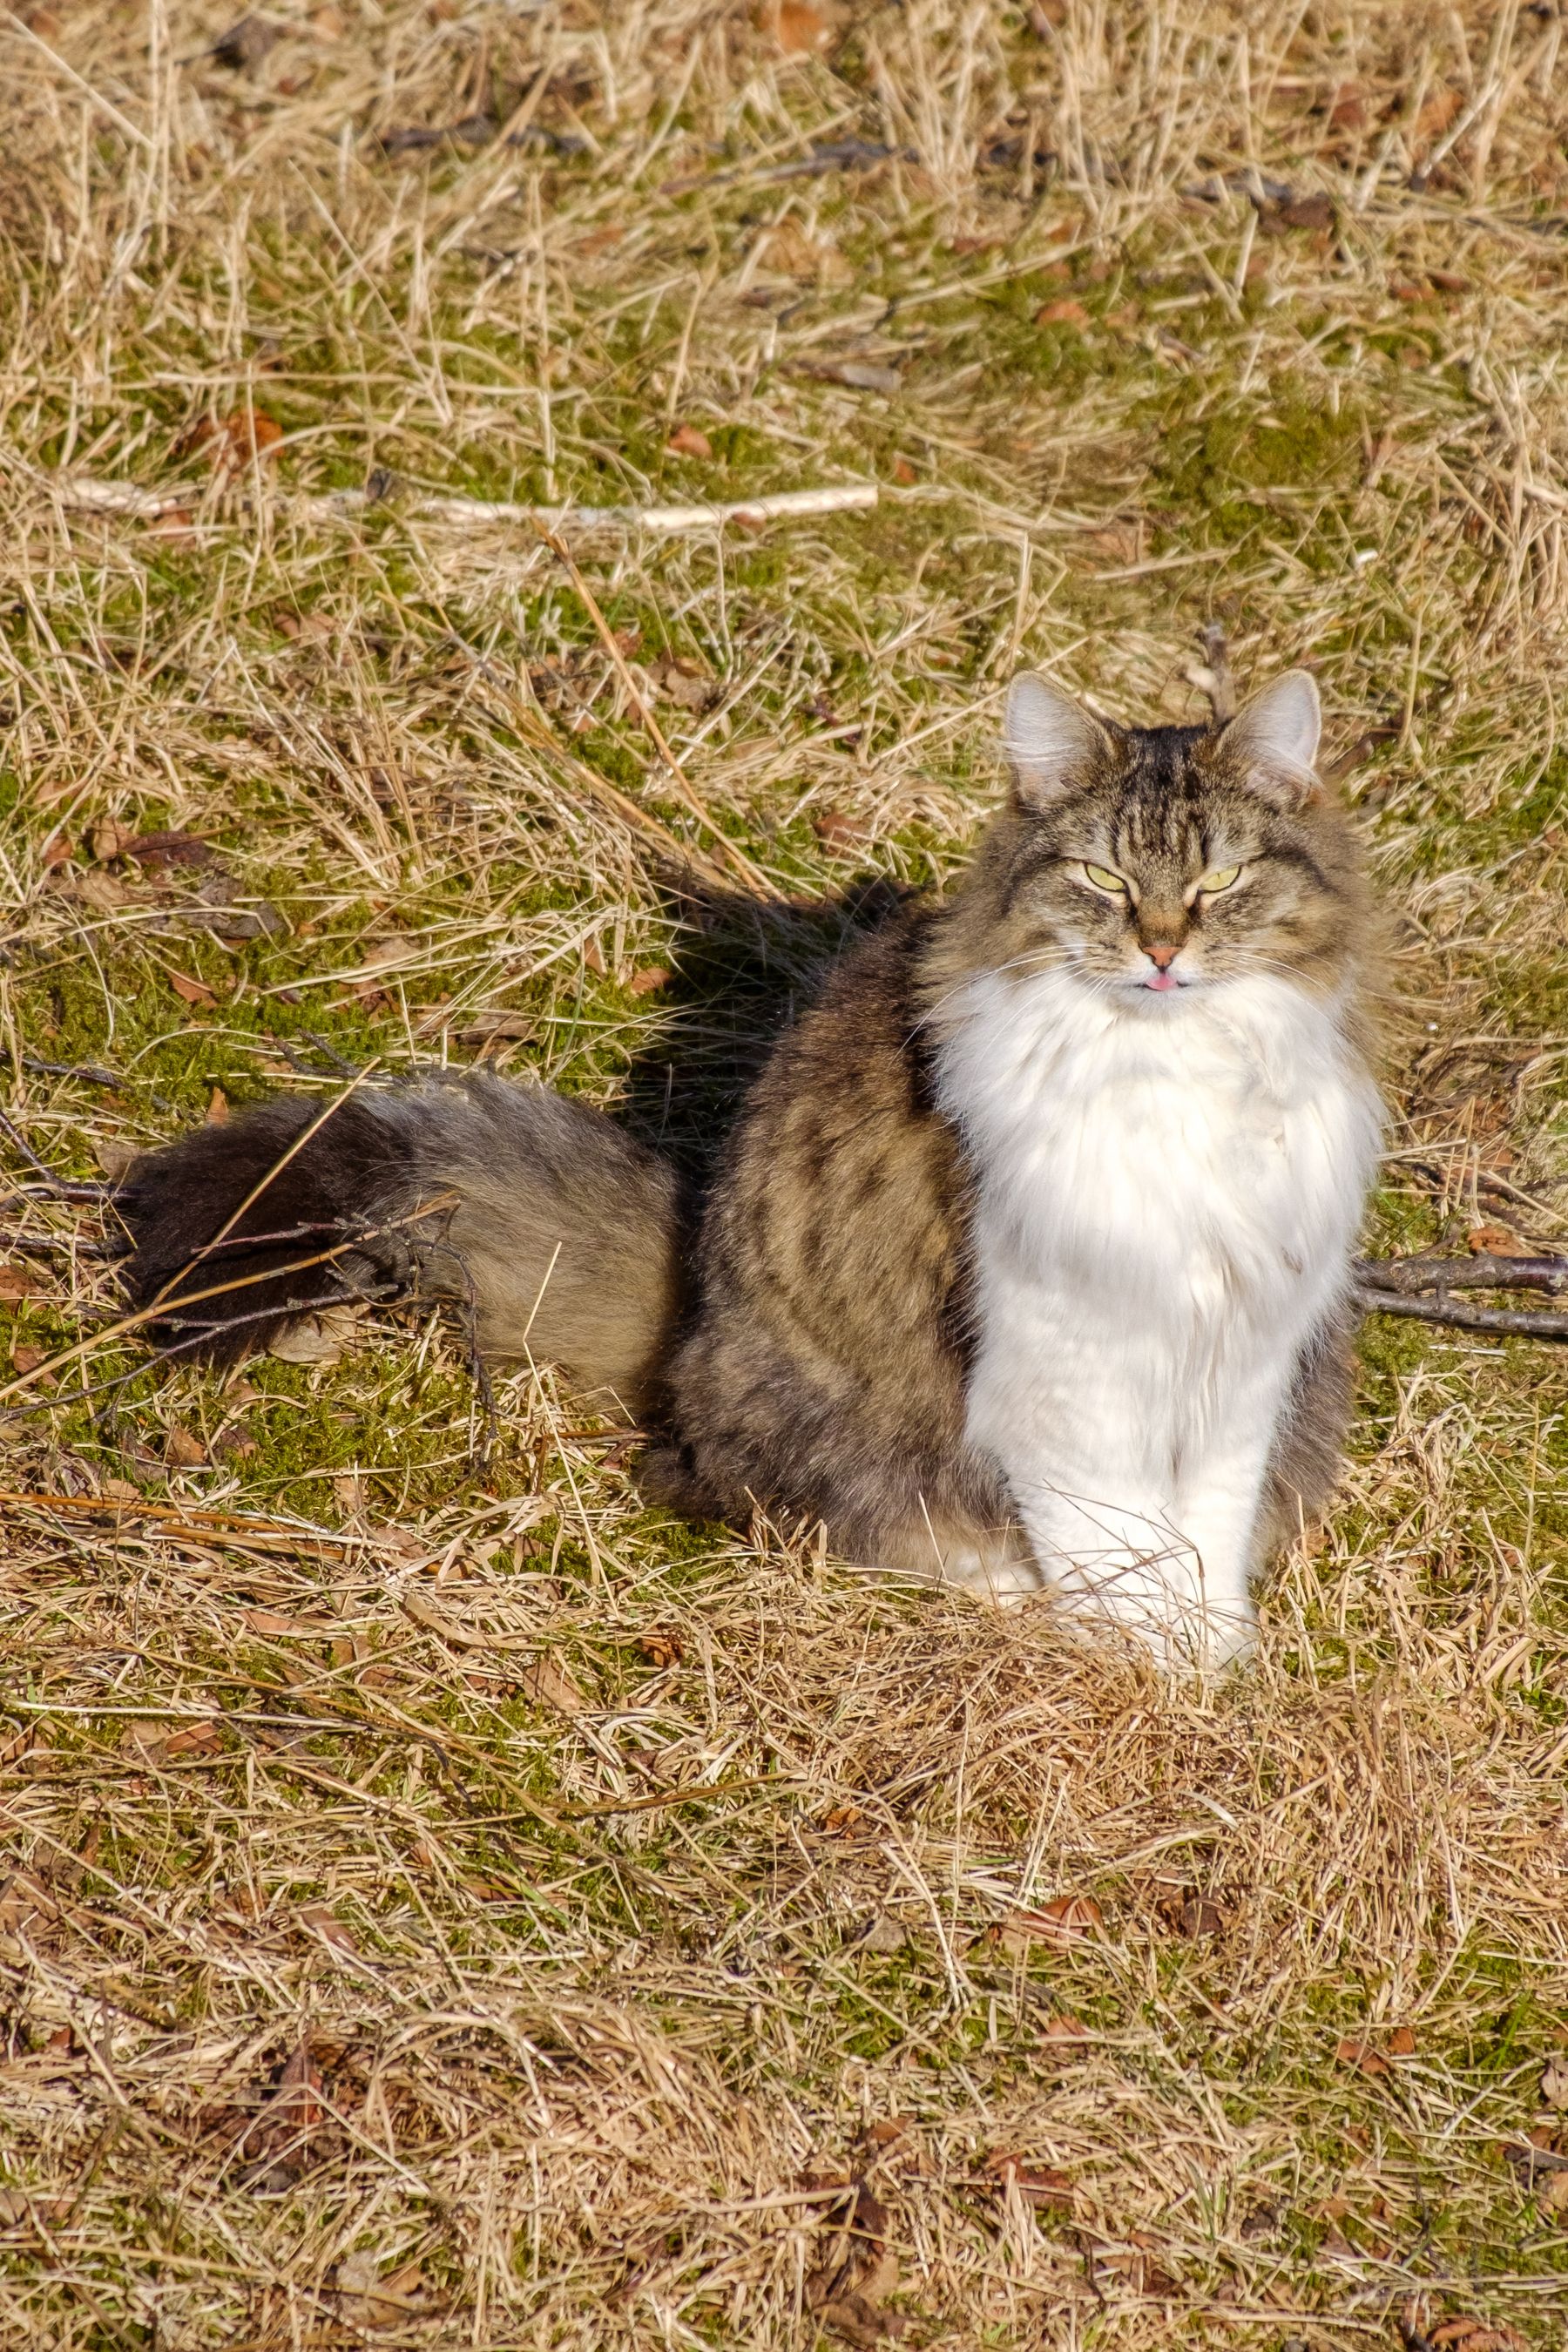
(448, 1906)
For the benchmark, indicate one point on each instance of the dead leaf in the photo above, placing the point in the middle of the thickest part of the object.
(854, 2272)
(1064, 1920)
(1193, 1914)
(661, 1645)
(326, 1924)
(1346, 110)
(549, 1684)
(244, 43)
(174, 525)
(1437, 113)
(191, 992)
(217, 1108)
(1065, 2027)
(836, 830)
(156, 850)
(1063, 313)
(860, 375)
(797, 26)
(321, 1339)
(683, 681)
(235, 443)
(688, 441)
(18, 1282)
(1554, 2086)
(1463, 2332)
(1357, 2052)
(108, 838)
(1043, 2187)
(494, 1028)
(25, 1360)
(883, 1934)
(267, 1621)
(651, 977)
(1497, 1241)
(183, 1452)
(369, 2300)
(1401, 2043)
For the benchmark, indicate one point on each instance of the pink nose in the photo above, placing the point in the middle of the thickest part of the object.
(1162, 955)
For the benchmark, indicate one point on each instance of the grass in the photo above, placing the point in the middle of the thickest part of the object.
(445, 1903)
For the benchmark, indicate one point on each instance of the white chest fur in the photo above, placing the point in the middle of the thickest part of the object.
(1168, 1195)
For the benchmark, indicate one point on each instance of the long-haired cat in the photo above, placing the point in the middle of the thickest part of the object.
(1028, 1262)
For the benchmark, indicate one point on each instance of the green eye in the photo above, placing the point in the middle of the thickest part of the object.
(1220, 878)
(1104, 879)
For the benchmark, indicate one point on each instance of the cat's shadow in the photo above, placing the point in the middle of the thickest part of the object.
(742, 969)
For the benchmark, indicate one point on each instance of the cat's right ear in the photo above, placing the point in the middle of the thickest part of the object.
(1052, 742)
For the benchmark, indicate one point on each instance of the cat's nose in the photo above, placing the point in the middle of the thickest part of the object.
(1162, 953)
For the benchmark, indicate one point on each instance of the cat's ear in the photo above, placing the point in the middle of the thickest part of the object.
(1275, 738)
(1052, 741)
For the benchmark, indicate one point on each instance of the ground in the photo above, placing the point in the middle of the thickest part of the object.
(444, 1903)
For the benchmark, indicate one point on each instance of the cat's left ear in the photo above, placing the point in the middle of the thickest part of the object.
(1275, 739)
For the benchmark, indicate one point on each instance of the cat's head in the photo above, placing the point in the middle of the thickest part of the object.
(1154, 861)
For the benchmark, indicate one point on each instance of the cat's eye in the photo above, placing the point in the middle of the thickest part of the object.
(1104, 879)
(1219, 877)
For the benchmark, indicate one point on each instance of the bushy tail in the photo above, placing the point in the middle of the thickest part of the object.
(560, 1233)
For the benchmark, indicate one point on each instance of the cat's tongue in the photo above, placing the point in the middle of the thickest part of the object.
(1162, 981)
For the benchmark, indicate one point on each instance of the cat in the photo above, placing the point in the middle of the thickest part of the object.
(1027, 1265)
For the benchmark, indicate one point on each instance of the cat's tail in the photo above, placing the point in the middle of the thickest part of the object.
(557, 1234)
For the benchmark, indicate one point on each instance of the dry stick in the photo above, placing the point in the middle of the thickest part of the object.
(93, 497)
(1391, 1286)
(757, 882)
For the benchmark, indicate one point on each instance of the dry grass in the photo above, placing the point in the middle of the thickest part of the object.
(450, 1907)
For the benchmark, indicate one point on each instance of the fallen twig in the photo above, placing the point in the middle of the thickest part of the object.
(90, 495)
(1399, 1285)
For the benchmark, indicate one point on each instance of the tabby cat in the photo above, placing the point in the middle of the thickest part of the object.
(1029, 1261)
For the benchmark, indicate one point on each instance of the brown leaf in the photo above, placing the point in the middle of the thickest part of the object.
(326, 1924)
(836, 830)
(18, 1282)
(1043, 2187)
(1462, 2332)
(683, 681)
(217, 1108)
(854, 2272)
(244, 43)
(661, 1645)
(549, 1684)
(797, 26)
(193, 991)
(239, 440)
(273, 1627)
(1065, 2027)
(1064, 1920)
(1195, 1916)
(156, 850)
(1360, 2053)
(493, 1028)
(183, 1452)
(1346, 108)
(652, 976)
(1402, 2042)
(1554, 2086)
(1315, 211)
(25, 1360)
(1064, 313)
(903, 471)
(369, 2300)
(686, 441)
(1496, 1241)
(176, 525)
(1437, 113)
